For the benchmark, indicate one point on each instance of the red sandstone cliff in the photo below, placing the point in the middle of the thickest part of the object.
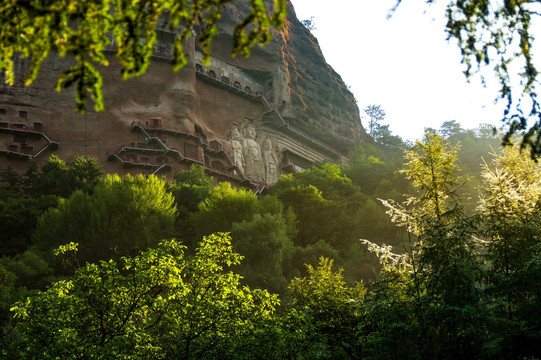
(309, 93)
(308, 102)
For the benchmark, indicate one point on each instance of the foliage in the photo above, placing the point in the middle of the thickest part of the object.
(52, 179)
(499, 35)
(376, 115)
(458, 286)
(58, 178)
(325, 202)
(30, 268)
(9, 294)
(332, 213)
(159, 304)
(24, 198)
(10, 180)
(391, 327)
(189, 188)
(383, 136)
(510, 208)
(432, 171)
(375, 171)
(452, 294)
(124, 215)
(84, 29)
(85, 173)
(260, 230)
(18, 220)
(223, 207)
(475, 145)
(440, 267)
(380, 133)
(310, 24)
(267, 249)
(333, 308)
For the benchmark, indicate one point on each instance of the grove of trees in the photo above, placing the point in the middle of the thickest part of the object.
(333, 263)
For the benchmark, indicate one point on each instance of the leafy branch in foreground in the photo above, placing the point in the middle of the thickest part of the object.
(160, 304)
(84, 28)
(500, 35)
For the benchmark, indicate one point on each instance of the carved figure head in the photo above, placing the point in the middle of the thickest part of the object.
(234, 134)
(267, 145)
(249, 132)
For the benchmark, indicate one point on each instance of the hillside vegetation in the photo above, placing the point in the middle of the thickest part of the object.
(424, 251)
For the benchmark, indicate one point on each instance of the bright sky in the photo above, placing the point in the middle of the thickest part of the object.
(404, 64)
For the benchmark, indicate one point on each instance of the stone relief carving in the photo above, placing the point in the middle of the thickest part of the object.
(271, 162)
(235, 140)
(251, 151)
(258, 161)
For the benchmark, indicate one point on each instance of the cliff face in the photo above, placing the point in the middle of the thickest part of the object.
(307, 91)
(247, 120)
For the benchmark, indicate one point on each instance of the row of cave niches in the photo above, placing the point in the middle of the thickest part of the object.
(236, 85)
(162, 52)
(19, 136)
(224, 79)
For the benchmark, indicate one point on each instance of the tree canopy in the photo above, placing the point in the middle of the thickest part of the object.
(124, 215)
(84, 28)
(160, 304)
(460, 285)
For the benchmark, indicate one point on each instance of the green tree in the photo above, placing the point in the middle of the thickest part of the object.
(58, 178)
(509, 205)
(325, 202)
(124, 215)
(261, 232)
(9, 294)
(431, 168)
(30, 269)
(450, 129)
(333, 310)
(376, 114)
(189, 188)
(53, 179)
(11, 180)
(159, 304)
(30, 177)
(445, 269)
(85, 173)
(375, 170)
(23, 199)
(383, 136)
(223, 207)
(392, 328)
(82, 29)
(267, 249)
(379, 132)
(510, 209)
(18, 220)
(310, 24)
(329, 209)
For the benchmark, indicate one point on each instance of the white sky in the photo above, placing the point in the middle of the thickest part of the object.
(404, 64)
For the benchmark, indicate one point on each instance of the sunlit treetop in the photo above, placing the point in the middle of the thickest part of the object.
(499, 35)
(84, 28)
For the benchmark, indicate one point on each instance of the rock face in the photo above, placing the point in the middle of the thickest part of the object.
(247, 120)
